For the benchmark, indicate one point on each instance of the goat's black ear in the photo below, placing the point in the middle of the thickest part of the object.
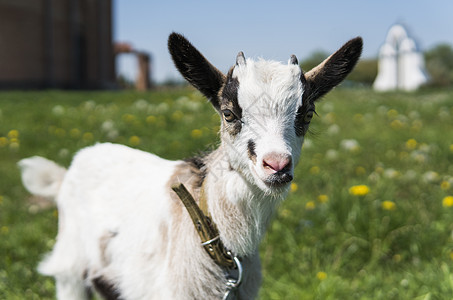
(195, 68)
(322, 78)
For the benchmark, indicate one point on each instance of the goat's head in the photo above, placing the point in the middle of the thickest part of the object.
(265, 106)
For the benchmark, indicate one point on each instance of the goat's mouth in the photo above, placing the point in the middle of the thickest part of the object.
(278, 179)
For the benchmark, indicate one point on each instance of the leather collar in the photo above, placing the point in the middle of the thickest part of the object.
(207, 230)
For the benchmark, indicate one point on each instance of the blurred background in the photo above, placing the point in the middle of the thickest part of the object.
(105, 44)
(370, 210)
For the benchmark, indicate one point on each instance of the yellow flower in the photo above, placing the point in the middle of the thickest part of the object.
(388, 205)
(88, 136)
(321, 275)
(392, 113)
(445, 185)
(294, 187)
(151, 119)
(359, 190)
(3, 141)
(411, 144)
(134, 140)
(4, 230)
(451, 148)
(314, 170)
(177, 115)
(397, 124)
(360, 170)
(196, 133)
(447, 201)
(310, 205)
(285, 213)
(60, 132)
(128, 118)
(451, 255)
(74, 133)
(323, 198)
(13, 134)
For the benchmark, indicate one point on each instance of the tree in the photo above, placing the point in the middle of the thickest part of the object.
(439, 64)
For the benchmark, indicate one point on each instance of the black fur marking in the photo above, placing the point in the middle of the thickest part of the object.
(300, 125)
(229, 100)
(279, 179)
(229, 95)
(333, 71)
(195, 68)
(198, 168)
(106, 289)
(251, 147)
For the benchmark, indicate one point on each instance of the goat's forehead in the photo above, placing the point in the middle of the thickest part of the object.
(268, 82)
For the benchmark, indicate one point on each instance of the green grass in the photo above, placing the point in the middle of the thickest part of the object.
(393, 242)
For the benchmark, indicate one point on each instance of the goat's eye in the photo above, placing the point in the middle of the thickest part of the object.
(228, 115)
(308, 116)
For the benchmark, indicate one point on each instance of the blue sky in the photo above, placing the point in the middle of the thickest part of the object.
(271, 29)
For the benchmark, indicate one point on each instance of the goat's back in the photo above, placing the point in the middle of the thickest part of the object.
(112, 203)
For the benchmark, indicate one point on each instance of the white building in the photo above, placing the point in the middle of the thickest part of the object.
(401, 64)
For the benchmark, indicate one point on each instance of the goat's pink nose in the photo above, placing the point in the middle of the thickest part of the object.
(274, 162)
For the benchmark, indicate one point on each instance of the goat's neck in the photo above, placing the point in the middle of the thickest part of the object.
(240, 209)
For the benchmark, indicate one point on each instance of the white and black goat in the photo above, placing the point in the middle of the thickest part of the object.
(122, 230)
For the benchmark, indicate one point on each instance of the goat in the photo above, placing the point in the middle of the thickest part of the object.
(125, 234)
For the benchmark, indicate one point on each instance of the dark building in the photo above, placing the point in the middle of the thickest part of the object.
(56, 44)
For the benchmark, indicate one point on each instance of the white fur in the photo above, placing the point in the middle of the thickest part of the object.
(117, 217)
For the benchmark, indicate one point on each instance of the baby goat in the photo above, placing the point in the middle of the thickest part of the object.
(125, 233)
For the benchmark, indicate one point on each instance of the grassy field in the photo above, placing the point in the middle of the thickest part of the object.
(369, 216)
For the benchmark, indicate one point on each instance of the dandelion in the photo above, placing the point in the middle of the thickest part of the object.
(397, 258)
(397, 124)
(177, 115)
(447, 201)
(75, 133)
(445, 185)
(151, 119)
(430, 176)
(3, 141)
(321, 275)
(411, 144)
(88, 136)
(134, 140)
(58, 110)
(128, 118)
(350, 145)
(60, 132)
(451, 148)
(4, 230)
(392, 113)
(294, 187)
(360, 170)
(14, 145)
(323, 198)
(13, 134)
(451, 255)
(196, 133)
(359, 190)
(314, 170)
(388, 205)
(285, 213)
(310, 205)
(358, 118)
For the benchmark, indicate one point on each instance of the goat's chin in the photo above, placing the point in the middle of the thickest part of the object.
(274, 184)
